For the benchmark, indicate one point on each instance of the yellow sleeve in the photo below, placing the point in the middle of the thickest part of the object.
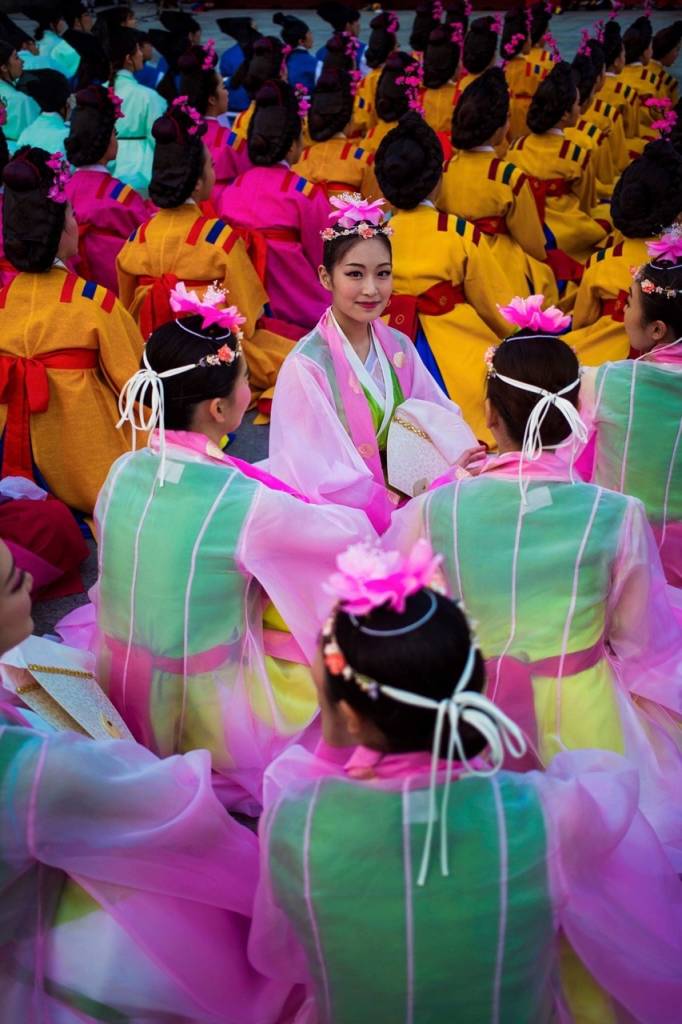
(523, 219)
(485, 283)
(120, 346)
(238, 276)
(127, 279)
(583, 184)
(587, 309)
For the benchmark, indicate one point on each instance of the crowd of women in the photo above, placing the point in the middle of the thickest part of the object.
(416, 677)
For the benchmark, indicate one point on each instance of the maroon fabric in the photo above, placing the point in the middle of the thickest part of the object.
(48, 530)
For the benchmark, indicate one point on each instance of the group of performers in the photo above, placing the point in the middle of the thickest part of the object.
(406, 697)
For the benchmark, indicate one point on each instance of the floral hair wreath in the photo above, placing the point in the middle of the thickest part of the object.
(189, 303)
(668, 248)
(356, 216)
(182, 103)
(61, 177)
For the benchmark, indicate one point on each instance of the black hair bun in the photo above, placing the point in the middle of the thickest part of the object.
(166, 130)
(271, 94)
(22, 175)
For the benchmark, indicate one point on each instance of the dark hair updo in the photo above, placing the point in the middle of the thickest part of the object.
(553, 99)
(92, 122)
(427, 660)
(648, 194)
(293, 30)
(542, 360)
(339, 56)
(667, 39)
(331, 105)
(275, 125)
(4, 152)
(409, 162)
(441, 58)
(540, 18)
(122, 43)
(423, 25)
(172, 345)
(612, 42)
(515, 24)
(50, 89)
(657, 305)
(32, 223)
(586, 75)
(392, 100)
(196, 83)
(6, 51)
(482, 109)
(264, 65)
(179, 158)
(638, 38)
(480, 45)
(597, 55)
(382, 40)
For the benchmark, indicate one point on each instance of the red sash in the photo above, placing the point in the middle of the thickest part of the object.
(492, 225)
(544, 187)
(404, 310)
(256, 242)
(24, 389)
(615, 308)
(155, 309)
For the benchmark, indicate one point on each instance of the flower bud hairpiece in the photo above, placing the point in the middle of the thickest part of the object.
(413, 81)
(116, 103)
(437, 10)
(61, 177)
(189, 303)
(497, 25)
(510, 47)
(182, 103)
(457, 36)
(356, 216)
(616, 6)
(303, 98)
(209, 55)
(393, 25)
(356, 77)
(598, 29)
(3, 112)
(666, 249)
(584, 47)
(352, 45)
(552, 45)
(468, 8)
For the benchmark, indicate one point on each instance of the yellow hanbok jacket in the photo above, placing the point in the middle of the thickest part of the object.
(242, 120)
(364, 108)
(553, 158)
(439, 105)
(539, 55)
(667, 84)
(645, 83)
(609, 120)
(374, 136)
(79, 335)
(616, 91)
(590, 137)
(195, 248)
(495, 196)
(523, 80)
(429, 248)
(340, 165)
(598, 335)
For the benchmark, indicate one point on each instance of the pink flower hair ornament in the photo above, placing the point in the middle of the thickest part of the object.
(188, 303)
(210, 56)
(303, 99)
(497, 25)
(369, 577)
(552, 46)
(668, 247)
(661, 102)
(457, 36)
(511, 46)
(351, 210)
(393, 25)
(182, 103)
(528, 314)
(61, 176)
(116, 103)
(3, 113)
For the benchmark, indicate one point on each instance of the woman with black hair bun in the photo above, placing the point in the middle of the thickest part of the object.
(107, 211)
(301, 65)
(281, 213)
(416, 800)
(523, 77)
(607, 116)
(205, 90)
(479, 51)
(20, 109)
(51, 45)
(633, 406)
(383, 41)
(492, 194)
(141, 108)
(666, 49)
(76, 334)
(332, 160)
(614, 90)
(440, 67)
(646, 199)
(393, 96)
(638, 44)
(265, 64)
(586, 133)
(446, 280)
(560, 173)
(343, 18)
(52, 92)
(541, 14)
(426, 19)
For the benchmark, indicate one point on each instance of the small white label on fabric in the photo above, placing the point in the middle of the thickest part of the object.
(418, 808)
(538, 497)
(173, 472)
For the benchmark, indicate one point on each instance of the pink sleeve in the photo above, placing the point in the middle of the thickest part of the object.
(617, 898)
(314, 218)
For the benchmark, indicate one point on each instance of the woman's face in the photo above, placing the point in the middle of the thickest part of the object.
(15, 66)
(136, 59)
(15, 602)
(68, 243)
(239, 401)
(206, 182)
(217, 103)
(642, 336)
(362, 281)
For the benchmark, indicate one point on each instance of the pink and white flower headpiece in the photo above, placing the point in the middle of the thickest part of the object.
(207, 307)
(528, 314)
(356, 216)
(369, 577)
(667, 122)
(182, 103)
(303, 99)
(457, 36)
(666, 249)
(62, 175)
(116, 103)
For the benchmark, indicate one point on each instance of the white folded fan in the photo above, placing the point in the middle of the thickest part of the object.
(59, 684)
(424, 441)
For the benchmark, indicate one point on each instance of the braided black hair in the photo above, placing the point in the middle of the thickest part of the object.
(441, 58)
(381, 40)
(553, 99)
(197, 83)
(93, 120)
(648, 194)
(480, 46)
(391, 97)
(32, 223)
(179, 158)
(637, 39)
(409, 162)
(482, 109)
(331, 105)
(275, 125)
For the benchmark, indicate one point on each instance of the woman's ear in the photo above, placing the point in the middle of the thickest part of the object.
(218, 410)
(325, 277)
(658, 330)
(492, 420)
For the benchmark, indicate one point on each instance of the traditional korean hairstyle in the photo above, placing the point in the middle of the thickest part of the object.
(179, 155)
(382, 39)
(92, 122)
(409, 162)
(667, 39)
(540, 18)
(293, 30)
(648, 194)
(6, 51)
(637, 39)
(198, 76)
(49, 88)
(392, 100)
(596, 55)
(514, 34)
(482, 109)
(264, 65)
(660, 281)
(480, 45)
(32, 222)
(425, 20)
(341, 52)
(586, 74)
(457, 13)
(612, 42)
(441, 58)
(554, 98)
(275, 124)
(122, 43)
(331, 105)
(354, 219)
(405, 657)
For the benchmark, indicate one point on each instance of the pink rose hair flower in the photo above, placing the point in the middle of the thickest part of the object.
(552, 46)
(369, 577)
(3, 113)
(182, 103)
(303, 99)
(658, 101)
(352, 209)
(457, 36)
(189, 303)
(116, 103)
(497, 25)
(668, 247)
(61, 176)
(210, 57)
(528, 314)
(511, 46)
